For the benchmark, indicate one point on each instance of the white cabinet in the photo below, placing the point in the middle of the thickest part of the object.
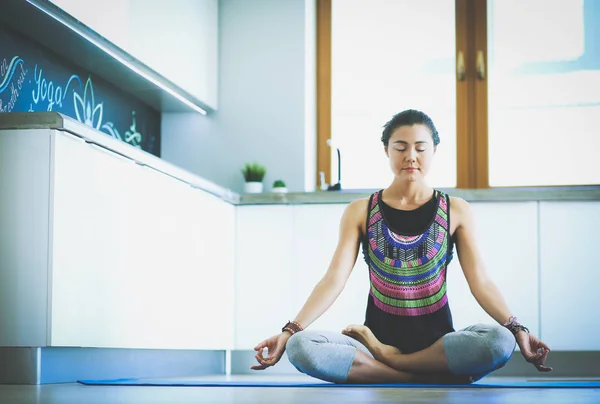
(570, 275)
(316, 234)
(109, 18)
(24, 195)
(108, 253)
(140, 260)
(178, 39)
(263, 275)
(282, 252)
(85, 252)
(507, 237)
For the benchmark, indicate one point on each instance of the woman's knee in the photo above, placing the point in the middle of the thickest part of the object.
(314, 354)
(478, 350)
(300, 350)
(296, 347)
(501, 343)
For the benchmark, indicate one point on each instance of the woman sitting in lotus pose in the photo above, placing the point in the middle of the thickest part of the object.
(408, 232)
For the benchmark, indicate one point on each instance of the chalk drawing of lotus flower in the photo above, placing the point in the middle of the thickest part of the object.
(132, 136)
(110, 128)
(86, 109)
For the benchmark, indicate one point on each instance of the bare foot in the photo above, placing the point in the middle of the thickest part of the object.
(363, 334)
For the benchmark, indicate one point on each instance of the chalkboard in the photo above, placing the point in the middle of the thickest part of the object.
(33, 78)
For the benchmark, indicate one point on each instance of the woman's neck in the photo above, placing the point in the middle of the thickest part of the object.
(408, 192)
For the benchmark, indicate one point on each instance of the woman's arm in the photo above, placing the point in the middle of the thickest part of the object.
(480, 283)
(328, 288)
(340, 267)
(484, 289)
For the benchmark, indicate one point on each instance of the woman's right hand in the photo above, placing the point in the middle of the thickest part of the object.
(276, 347)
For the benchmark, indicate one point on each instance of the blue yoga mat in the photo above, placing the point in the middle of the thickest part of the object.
(231, 383)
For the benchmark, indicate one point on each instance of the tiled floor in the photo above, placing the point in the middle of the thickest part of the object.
(80, 394)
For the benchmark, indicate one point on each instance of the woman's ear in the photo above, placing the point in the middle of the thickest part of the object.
(385, 148)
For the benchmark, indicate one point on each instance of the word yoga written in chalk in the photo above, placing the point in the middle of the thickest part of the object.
(32, 80)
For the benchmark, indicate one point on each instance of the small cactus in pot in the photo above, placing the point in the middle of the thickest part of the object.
(279, 187)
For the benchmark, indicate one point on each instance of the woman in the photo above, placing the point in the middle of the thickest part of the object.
(408, 232)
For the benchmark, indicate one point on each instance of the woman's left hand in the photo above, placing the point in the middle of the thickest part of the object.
(534, 350)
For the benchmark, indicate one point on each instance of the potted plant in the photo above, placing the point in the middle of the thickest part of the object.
(279, 187)
(253, 174)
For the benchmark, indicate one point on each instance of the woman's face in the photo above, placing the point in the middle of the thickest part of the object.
(410, 151)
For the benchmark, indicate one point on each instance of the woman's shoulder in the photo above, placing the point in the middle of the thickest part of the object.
(458, 203)
(460, 210)
(359, 205)
(356, 211)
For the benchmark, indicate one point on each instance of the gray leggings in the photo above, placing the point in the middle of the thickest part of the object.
(474, 351)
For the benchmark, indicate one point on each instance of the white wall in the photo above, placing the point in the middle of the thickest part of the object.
(263, 106)
(310, 99)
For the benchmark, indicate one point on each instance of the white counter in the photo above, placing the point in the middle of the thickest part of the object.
(63, 123)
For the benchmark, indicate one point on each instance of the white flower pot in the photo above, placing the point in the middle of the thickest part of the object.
(280, 190)
(253, 187)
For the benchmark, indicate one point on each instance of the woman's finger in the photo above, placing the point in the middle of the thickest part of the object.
(532, 357)
(541, 344)
(543, 368)
(259, 355)
(260, 359)
(542, 359)
(268, 360)
(540, 363)
(261, 346)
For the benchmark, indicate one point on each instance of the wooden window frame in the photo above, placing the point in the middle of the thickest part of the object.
(323, 16)
(471, 93)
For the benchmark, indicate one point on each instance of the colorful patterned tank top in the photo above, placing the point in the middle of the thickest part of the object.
(408, 305)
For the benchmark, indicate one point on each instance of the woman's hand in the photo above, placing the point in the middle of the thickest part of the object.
(276, 348)
(534, 350)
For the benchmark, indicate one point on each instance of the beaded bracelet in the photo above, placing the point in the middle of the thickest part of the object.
(293, 327)
(514, 326)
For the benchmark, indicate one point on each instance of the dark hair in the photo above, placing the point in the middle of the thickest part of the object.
(409, 117)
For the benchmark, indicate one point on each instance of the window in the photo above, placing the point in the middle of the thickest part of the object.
(519, 113)
(544, 92)
(387, 56)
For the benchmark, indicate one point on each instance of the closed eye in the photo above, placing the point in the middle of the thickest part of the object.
(419, 150)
